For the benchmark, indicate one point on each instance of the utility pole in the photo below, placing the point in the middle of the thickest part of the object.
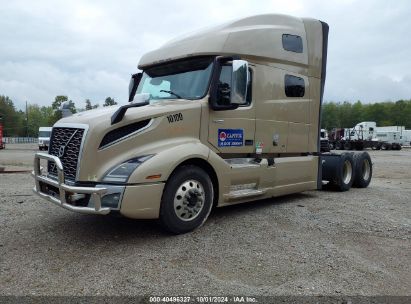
(27, 122)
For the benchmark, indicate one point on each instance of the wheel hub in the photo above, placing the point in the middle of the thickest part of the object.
(189, 200)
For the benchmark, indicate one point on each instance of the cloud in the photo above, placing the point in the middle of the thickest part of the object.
(88, 49)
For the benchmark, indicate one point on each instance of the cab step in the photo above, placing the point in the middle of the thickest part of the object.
(237, 163)
(243, 193)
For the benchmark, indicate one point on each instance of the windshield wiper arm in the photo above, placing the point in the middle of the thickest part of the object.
(171, 93)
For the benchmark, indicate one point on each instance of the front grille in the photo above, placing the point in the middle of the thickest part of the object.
(65, 143)
(324, 145)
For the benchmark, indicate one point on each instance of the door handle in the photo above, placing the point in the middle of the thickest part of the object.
(218, 121)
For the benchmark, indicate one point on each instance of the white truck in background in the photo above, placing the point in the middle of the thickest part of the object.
(44, 137)
(367, 135)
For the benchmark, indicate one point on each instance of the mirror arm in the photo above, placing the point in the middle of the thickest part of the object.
(136, 80)
(119, 114)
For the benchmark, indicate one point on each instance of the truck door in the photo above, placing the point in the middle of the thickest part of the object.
(232, 131)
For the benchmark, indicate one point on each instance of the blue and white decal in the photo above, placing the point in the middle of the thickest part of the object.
(230, 137)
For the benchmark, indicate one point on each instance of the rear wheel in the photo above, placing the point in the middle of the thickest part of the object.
(363, 170)
(338, 145)
(385, 146)
(347, 145)
(187, 200)
(359, 146)
(345, 173)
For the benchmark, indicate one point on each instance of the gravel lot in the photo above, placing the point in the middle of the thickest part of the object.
(314, 243)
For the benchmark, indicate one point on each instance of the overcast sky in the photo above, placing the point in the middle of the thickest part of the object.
(88, 49)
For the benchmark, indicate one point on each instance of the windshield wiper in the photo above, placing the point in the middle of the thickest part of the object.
(171, 93)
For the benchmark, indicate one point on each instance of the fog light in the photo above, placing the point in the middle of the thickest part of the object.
(111, 200)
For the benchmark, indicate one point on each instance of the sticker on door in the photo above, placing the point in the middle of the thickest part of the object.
(230, 137)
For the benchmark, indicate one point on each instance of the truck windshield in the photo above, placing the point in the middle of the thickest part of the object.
(186, 79)
(44, 133)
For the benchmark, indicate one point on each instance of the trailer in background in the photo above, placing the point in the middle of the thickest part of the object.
(391, 140)
(406, 137)
(2, 143)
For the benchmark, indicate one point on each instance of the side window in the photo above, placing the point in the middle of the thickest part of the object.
(292, 43)
(224, 85)
(294, 86)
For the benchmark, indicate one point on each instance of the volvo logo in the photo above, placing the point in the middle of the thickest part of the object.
(61, 150)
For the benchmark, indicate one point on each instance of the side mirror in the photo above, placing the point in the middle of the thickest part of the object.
(132, 87)
(239, 82)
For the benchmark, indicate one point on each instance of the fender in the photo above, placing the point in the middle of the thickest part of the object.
(167, 159)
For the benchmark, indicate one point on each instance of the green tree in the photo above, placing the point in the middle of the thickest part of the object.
(12, 120)
(88, 105)
(58, 101)
(109, 102)
(72, 106)
(56, 105)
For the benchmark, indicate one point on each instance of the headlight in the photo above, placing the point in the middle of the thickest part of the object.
(122, 172)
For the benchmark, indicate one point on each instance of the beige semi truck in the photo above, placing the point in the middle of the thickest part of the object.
(227, 115)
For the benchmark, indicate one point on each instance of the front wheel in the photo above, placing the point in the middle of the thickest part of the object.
(187, 200)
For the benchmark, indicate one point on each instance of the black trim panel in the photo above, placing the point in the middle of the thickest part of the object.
(325, 30)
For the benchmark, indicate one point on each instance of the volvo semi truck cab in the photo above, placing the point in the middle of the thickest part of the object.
(226, 115)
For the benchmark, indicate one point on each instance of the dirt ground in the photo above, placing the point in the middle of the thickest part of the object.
(314, 243)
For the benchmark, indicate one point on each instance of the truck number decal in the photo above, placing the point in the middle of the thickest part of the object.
(175, 117)
(230, 137)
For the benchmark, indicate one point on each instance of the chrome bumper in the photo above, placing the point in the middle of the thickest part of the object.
(96, 193)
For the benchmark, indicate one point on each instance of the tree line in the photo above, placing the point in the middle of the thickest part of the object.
(18, 123)
(334, 114)
(347, 115)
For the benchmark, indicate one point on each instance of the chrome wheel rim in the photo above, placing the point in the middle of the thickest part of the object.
(347, 172)
(189, 200)
(366, 169)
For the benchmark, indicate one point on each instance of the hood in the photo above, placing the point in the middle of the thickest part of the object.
(163, 130)
(102, 117)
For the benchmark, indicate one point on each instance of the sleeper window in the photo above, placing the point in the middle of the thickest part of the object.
(294, 86)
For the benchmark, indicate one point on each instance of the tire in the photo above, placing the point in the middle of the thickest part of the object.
(345, 172)
(187, 200)
(338, 145)
(363, 170)
(347, 145)
(359, 146)
(384, 147)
